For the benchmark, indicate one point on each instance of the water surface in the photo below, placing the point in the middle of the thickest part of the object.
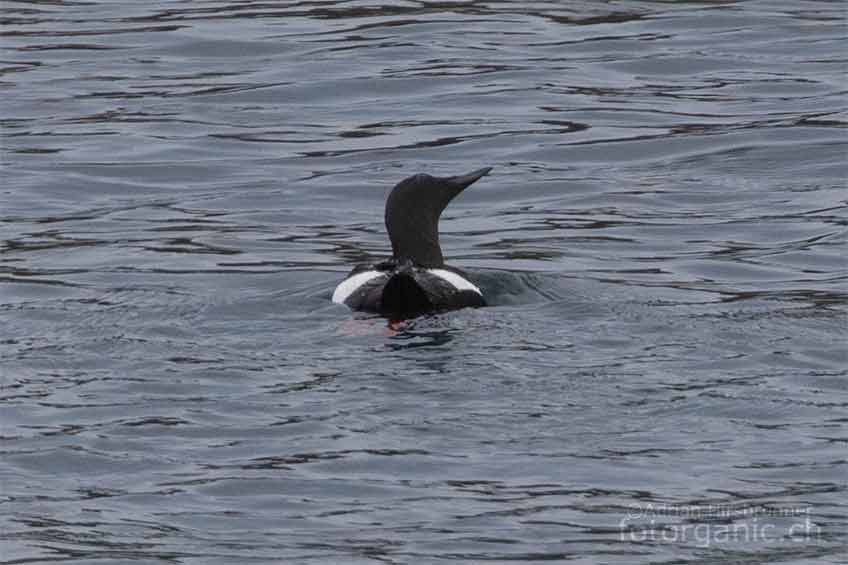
(662, 238)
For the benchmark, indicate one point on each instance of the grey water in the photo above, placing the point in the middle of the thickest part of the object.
(660, 376)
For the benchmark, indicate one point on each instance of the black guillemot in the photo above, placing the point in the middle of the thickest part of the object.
(415, 280)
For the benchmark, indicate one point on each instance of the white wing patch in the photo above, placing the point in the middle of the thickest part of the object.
(350, 284)
(457, 281)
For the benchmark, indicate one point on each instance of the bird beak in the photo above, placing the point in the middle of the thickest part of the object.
(461, 182)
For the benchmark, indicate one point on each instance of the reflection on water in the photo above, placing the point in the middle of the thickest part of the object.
(661, 239)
